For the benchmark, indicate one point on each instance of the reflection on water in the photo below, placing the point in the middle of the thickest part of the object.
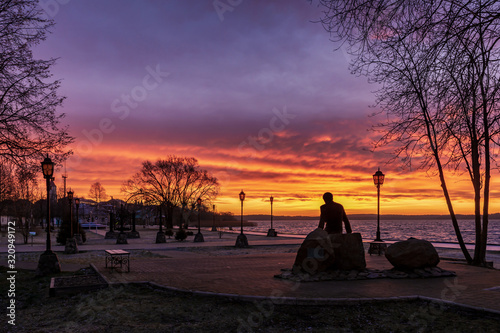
(391, 230)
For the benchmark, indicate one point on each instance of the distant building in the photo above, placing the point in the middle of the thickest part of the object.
(4, 220)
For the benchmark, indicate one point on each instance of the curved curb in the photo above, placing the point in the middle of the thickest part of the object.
(303, 301)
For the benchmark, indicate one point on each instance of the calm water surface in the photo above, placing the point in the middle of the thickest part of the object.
(391, 230)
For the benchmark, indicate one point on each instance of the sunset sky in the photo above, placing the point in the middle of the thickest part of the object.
(254, 91)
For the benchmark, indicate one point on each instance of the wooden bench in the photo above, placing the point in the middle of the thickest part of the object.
(117, 258)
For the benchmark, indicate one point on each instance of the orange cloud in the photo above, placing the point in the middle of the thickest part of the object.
(297, 182)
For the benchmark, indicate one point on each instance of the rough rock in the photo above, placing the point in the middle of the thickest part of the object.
(412, 254)
(316, 253)
(349, 251)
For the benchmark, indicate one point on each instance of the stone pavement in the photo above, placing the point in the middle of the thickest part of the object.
(254, 275)
(215, 266)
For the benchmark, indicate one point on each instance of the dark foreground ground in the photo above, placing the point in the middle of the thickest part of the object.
(137, 308)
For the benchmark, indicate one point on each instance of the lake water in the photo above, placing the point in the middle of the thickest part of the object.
(390, 230)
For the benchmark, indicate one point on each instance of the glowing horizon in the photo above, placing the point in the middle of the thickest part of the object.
(295, 191)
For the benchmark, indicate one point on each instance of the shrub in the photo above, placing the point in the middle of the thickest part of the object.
(65, 232)
(181, 235)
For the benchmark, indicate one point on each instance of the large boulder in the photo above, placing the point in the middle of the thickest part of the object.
(412, 253)
(316, 253)
(349, 251)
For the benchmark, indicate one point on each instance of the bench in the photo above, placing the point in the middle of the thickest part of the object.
(117, 258)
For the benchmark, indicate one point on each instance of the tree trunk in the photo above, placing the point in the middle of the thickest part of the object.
(170, 216)
(435, 153)
(487, 179)
(454, 221)
(476, 181)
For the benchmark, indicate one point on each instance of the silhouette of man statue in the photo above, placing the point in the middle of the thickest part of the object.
(333, 213)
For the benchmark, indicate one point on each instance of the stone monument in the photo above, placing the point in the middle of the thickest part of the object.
(321, 252)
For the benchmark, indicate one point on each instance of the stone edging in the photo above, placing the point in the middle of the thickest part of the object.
(365, 274)
(309, 301)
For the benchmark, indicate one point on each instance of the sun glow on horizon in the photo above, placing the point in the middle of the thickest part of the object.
(297, 189)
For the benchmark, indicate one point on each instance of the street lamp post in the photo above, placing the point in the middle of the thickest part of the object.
(160, 235)
(134, 233)
(378, 245)
(184, 204)
(77, 204)
(213, 216)
(112, 220)
(77, 234)
(134, 219)
(199, 237)
(122, 236)
(241, 240)
(271, 232)
(161, 219)
(71, 246)
(48, 262)
(70, 200)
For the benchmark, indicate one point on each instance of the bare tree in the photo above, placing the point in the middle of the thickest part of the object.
(26, 191)
(97, 193)
(7, 185)
(29, 125)
(437, 63)
(173, 182)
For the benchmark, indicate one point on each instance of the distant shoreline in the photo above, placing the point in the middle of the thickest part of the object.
(495, 216)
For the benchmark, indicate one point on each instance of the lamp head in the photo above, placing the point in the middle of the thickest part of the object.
(47, 167)
(378, 178)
